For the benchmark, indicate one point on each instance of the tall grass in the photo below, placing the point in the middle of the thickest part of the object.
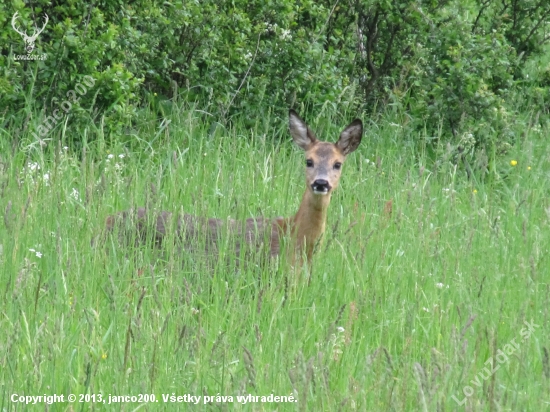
(423, 275)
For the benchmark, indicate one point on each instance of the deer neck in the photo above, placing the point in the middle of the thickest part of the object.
(309, 222)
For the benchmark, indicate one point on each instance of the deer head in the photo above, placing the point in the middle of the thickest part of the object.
(323, 159)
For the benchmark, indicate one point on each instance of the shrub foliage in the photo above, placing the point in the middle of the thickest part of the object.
(455, 68)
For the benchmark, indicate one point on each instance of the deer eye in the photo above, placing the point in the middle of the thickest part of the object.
(337, 165)
(309, 163)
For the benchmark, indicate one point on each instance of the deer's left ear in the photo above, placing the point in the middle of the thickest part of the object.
(350, 137)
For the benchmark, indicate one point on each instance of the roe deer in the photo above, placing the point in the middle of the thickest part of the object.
(323, 169)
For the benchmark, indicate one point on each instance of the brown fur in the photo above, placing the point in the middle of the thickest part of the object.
(304, 229)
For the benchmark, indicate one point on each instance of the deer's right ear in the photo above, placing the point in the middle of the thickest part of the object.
(301, 134)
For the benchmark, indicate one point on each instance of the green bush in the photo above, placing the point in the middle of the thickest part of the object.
(232, 57)
(457, 70)
(454, 70)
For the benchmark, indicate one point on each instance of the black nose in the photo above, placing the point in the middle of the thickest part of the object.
(320, 185)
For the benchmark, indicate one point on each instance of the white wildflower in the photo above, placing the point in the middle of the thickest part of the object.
(270, 27)
(285, 35)
(36, 252)
(75, 195)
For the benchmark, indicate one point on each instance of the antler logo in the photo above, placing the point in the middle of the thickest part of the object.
(29, 40)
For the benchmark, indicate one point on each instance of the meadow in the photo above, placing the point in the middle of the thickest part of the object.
(429, 292)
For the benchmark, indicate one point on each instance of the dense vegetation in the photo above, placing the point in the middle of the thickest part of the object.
(406, 306)
(430, 290)
(464, 73)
